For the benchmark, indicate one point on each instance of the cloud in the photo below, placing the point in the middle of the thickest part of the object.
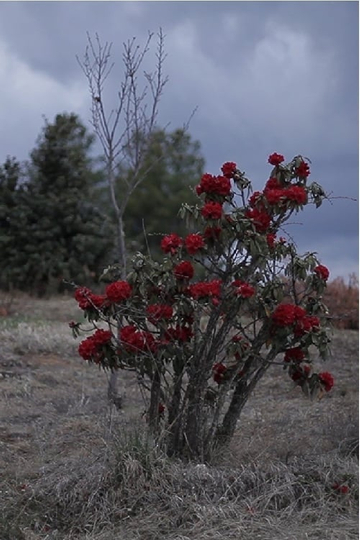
(27, 96)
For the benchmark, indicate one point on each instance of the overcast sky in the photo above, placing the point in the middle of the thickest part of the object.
(266, 77)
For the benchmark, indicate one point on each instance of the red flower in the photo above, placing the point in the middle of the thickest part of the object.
(327, 380)
(179, 333)
(301, 374)
(260, 218)
(275, 159)
(340, 488)
(243, 289)
(82, 296)
(308, 323)
(87, 348)
(275, 196)
(217, 185)
(184, 270)
(203, 289)
(270, 238)
(296, 194)
(193, 243)
(322, 272)
(135, 340)
(161, 408)
(171, 243)
(158, 312)
(294, 355)
(101, 337)
(254, 200)
(212, 233)
(212, 210)
(287, 314)
(218, 372)
(118, 291)
(272, 183)
(303, 170)
(228, 169)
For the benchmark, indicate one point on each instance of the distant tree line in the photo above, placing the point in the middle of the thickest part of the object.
(56, 220)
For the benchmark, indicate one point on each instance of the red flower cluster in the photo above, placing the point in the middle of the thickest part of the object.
(229, 169)
(194, 242)
(287, 314)
(270, 238)
(137, 340)
(171, 243)
(275, 159)
(303, 170)
(301, 374)
(294, 355)
(243, 289)
(327, 380)
(260, 219)
(275, 196)
(272, 183)
(204, 289)
(118, 291)
(216, 185)
(322, 272)
(340, 488)
(157, 312)
(88, 300)
(184, 270)
(296, 194)
(309, 323)
(243, 345)
(254, 200)
(179, 333)
(90, 348)
(218, 372)
(212, 210)
(212, 233)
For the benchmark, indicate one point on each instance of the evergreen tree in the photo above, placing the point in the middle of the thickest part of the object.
(63, 235)
(171, 169)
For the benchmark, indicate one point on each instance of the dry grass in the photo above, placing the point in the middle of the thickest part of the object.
(74, 468)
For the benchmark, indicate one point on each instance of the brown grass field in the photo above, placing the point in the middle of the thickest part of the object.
(72, 467)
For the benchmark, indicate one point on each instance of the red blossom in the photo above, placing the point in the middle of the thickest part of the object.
(296, 194)
(303, 170)
(306, 324)
(203, 289)
(301, 374)
(218, 372)
(90, 348)
(273, 183)
(136, 340)
(228, 169)
(322, 272)
(275, 159)
(275, 196)
(194, 242)
(327, 380)
(243, 289)
(82, 296)
(296, 354)
(212, 210)
(287, 314)
(179, 333)
(260, 219)
(254, 200)
(216, 185)
(270, 238)
(212, 233)
(161, 408)
(171, 243)
(184, 270)
(340, 488)
(157, 312)
(118, 291)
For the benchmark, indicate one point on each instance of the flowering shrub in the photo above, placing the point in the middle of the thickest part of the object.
(199, 347)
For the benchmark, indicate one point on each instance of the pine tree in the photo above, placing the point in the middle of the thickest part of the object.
(63, 234)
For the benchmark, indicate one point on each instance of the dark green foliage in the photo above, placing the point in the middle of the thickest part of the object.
(57, 233)
(171, 169)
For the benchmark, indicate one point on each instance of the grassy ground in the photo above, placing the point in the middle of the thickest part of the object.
(72, 467)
